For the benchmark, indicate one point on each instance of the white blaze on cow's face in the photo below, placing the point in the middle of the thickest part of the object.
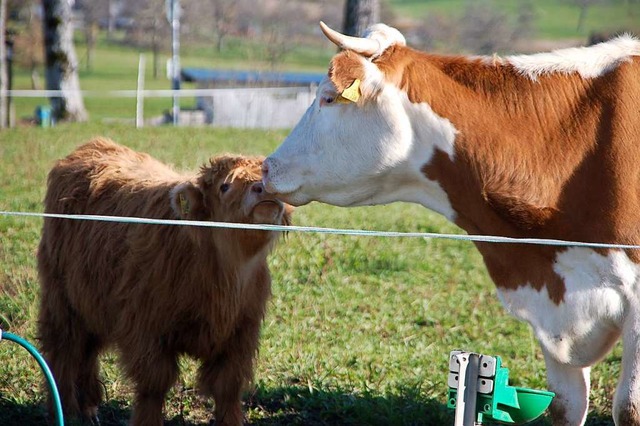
(363, 152)
(337, 150)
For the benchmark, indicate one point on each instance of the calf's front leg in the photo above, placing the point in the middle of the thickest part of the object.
(223, 381)
(153, 372)
(226, 375)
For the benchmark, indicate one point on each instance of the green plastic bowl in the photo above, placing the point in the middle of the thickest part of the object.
(533, 404)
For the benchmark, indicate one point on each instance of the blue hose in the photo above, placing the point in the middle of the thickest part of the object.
(45, 369)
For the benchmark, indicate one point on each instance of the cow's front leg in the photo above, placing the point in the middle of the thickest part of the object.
(626, 406)
(571, 386)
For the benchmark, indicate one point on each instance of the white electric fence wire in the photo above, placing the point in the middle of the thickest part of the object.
(159, 93)
(319, 230)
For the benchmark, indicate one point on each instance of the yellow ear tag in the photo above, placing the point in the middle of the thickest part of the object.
(184, 205)
(352, 92)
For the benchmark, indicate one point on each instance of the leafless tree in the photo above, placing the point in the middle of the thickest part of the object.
(485, 28)
(151, 28)
(61, 71)
(25, 24)
(33, 47)
(110, 18)
(359, 14)
(224, 18)
(279, 24)
(4, 107)
(525, 20)
(93, 11)
(584, 7)
(439, 32)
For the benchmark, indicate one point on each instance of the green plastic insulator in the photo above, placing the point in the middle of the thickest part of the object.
(507, 404)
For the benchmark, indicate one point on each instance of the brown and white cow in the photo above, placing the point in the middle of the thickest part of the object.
(544, 145)
(154, 292)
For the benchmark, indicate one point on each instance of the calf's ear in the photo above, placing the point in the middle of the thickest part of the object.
(187, 202)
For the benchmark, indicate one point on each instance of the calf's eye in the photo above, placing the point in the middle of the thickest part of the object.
(224, 187)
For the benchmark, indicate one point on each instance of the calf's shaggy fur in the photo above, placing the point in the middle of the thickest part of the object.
(154, 291)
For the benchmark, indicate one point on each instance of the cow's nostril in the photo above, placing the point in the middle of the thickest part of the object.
(257, 188)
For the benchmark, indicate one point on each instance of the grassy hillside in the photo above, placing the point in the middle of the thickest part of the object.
(555, 19)
(358, 330)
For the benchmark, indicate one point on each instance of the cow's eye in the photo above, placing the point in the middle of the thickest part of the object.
(224, 187)
(327, 100)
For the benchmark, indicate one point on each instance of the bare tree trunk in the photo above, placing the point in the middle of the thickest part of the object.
(582, 16)
(110, 21)
(36, 40)
(156, 59)
(4, 84)
(360, 14)
(61, 61)
(219, 43)
(90, 36)
(155, 48)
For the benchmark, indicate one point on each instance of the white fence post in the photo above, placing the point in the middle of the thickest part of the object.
(140, 94)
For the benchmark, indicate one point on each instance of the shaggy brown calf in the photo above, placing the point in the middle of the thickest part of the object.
(154, 291)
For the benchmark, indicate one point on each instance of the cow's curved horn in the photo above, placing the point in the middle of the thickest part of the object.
(364, 46)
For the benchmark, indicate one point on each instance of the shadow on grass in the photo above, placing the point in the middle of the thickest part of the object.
(12, 413)
(293, 406)
(113, 413)
(301, 406)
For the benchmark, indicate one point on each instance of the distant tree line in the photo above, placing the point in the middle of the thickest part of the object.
(279, 25)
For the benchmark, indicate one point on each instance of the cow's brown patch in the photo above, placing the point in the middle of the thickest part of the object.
(554, 158)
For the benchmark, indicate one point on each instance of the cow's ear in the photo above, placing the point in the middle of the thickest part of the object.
(187, 202)
(354, 80)
(345, 68)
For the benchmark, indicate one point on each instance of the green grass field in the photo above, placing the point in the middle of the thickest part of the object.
(555, 19)
(358, 330)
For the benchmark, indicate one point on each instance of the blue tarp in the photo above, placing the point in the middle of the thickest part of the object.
(262, 78)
